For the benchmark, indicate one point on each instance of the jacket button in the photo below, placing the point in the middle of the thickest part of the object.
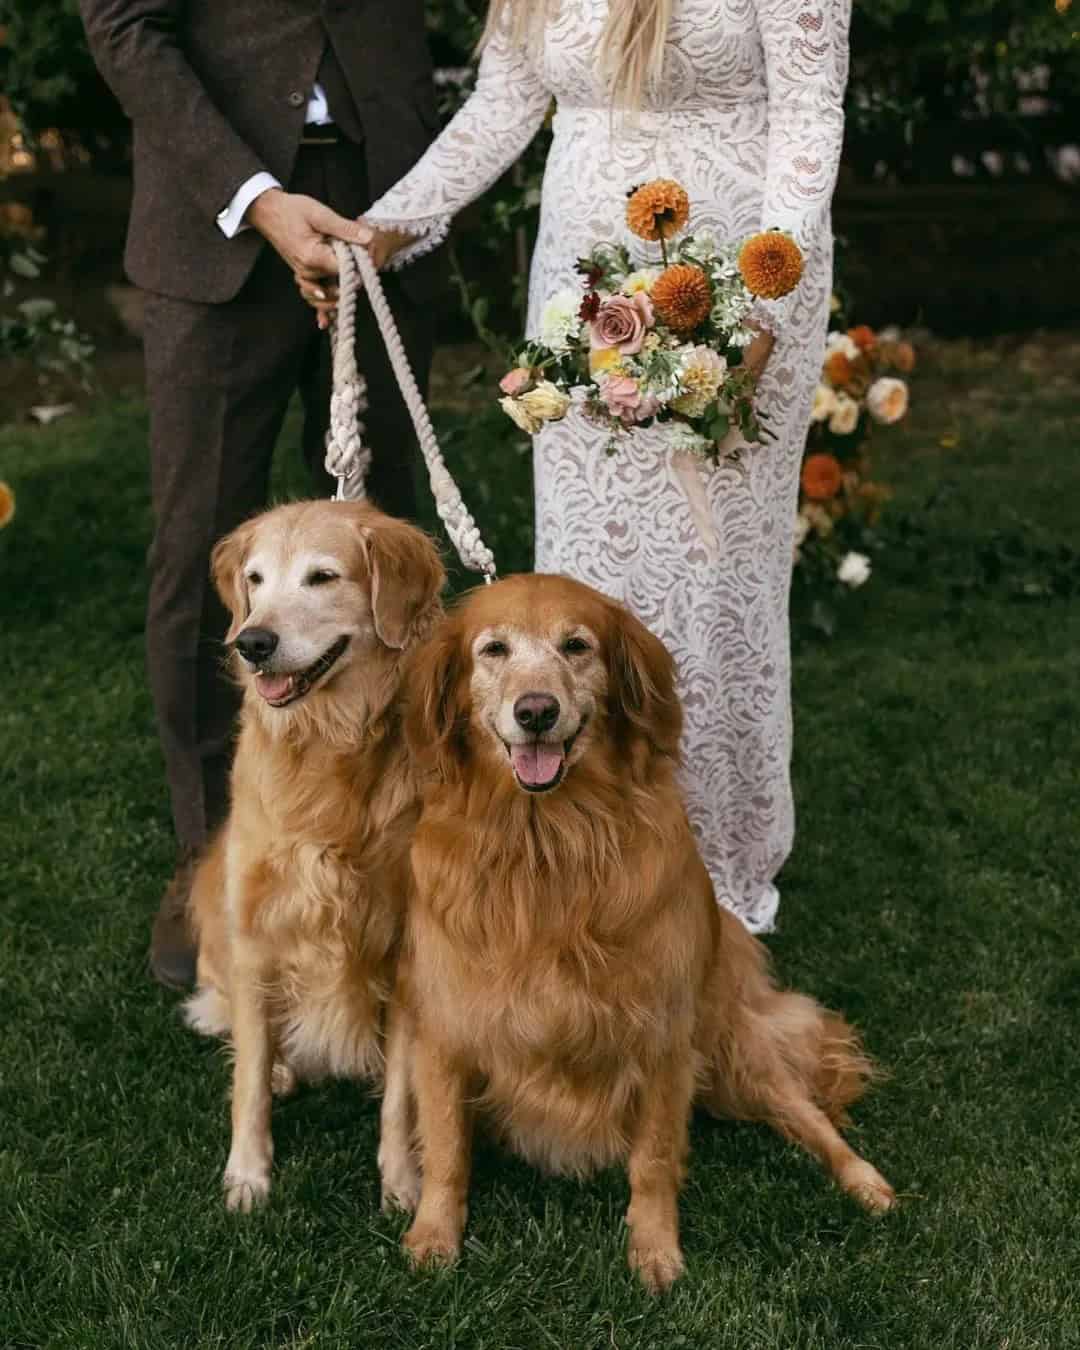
(297, 99)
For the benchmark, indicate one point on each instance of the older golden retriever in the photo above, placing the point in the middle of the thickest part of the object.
(567, 968)
(299, 902)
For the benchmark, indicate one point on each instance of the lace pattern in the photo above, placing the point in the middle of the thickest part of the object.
(749, 118)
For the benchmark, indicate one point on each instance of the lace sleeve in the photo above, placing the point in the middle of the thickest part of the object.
(487, 135)
(806, 64)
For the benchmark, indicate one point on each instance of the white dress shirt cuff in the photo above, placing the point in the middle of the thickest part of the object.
(231, 220)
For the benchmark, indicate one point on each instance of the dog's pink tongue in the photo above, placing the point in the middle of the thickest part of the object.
(273, 687)
(536, 764)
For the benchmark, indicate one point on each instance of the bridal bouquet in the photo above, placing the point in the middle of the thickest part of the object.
(660, 344)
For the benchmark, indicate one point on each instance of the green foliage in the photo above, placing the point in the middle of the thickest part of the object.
(33, 329)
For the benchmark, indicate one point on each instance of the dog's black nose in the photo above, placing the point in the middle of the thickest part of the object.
(536, 712)
(256, 645)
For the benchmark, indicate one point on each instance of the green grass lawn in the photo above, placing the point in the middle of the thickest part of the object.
(932, 895)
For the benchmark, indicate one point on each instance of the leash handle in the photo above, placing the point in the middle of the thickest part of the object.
(346, 455)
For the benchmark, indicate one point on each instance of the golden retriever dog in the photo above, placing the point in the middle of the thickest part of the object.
(567, 971)
(299, 902)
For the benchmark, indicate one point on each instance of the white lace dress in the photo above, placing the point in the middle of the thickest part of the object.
(749, 119)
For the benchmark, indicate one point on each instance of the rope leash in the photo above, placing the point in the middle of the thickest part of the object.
(347, 458)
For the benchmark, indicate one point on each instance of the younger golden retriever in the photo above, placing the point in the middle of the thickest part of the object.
(567, 968)
(299, 902)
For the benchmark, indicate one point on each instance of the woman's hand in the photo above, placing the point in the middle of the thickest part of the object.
(322, 293)
(756, 356)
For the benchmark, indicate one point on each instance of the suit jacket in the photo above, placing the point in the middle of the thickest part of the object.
(217, 91)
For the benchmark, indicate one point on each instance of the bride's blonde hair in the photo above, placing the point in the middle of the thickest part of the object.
(631, 48)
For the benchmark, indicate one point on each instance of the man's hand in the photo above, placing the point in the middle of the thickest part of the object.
(297, 227)
(322, 295)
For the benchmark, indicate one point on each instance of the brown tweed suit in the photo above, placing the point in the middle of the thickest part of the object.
(217, 91)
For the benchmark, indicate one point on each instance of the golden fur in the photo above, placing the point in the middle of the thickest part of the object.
(567, 968)
(299, 902)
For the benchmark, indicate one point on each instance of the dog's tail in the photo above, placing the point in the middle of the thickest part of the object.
(771, 1044)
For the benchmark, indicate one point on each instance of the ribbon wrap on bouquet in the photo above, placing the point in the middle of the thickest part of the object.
(347, 457)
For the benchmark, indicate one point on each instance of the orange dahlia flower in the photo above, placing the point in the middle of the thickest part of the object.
(822, 477)
(903, 357)
(863, 337)
(7, 504)
(658, 210)
(838, 369)
(682, 297)
(771, 264)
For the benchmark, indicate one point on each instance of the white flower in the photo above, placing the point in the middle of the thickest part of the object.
(545, 403)
(802, 528)
(559, 321)
(854, 570)
(887, 400)
(641, 280)
(840, 342)
(824, 403)
(845, 416)
(682, 436)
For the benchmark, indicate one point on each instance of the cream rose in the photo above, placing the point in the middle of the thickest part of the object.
(845, 416)
(545, 403)
(887, 400)
(519, 415)
(824, 403)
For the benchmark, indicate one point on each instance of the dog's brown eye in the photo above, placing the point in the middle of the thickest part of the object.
(322, 578)
(495, 648)
(575, 646)
(254, 579)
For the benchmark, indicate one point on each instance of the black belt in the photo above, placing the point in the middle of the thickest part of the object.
(316, 133)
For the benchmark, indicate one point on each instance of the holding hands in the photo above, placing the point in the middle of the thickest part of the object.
(322, 294)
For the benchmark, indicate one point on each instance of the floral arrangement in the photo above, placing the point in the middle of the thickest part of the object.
(656, 344)
(840, 506)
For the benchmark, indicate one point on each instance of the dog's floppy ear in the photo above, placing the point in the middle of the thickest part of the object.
(435, 700)
(642, 684)
(227, 571)
(406, 580)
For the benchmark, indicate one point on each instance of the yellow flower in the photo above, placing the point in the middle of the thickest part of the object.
(7, 504)
(641, 280)
(771, 264)
(545, 403)
(605, 361)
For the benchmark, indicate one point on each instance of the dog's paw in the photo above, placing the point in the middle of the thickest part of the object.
(245, 1191)
(866, 1185)
(431, 1245)
(658, 1267)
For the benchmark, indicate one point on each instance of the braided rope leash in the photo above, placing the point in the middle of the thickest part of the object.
(346, 455)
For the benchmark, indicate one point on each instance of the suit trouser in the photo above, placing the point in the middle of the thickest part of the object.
(219, 381)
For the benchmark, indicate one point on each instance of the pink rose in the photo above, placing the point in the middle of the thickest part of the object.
(516, 381)
(624, 400)
(622, 322)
